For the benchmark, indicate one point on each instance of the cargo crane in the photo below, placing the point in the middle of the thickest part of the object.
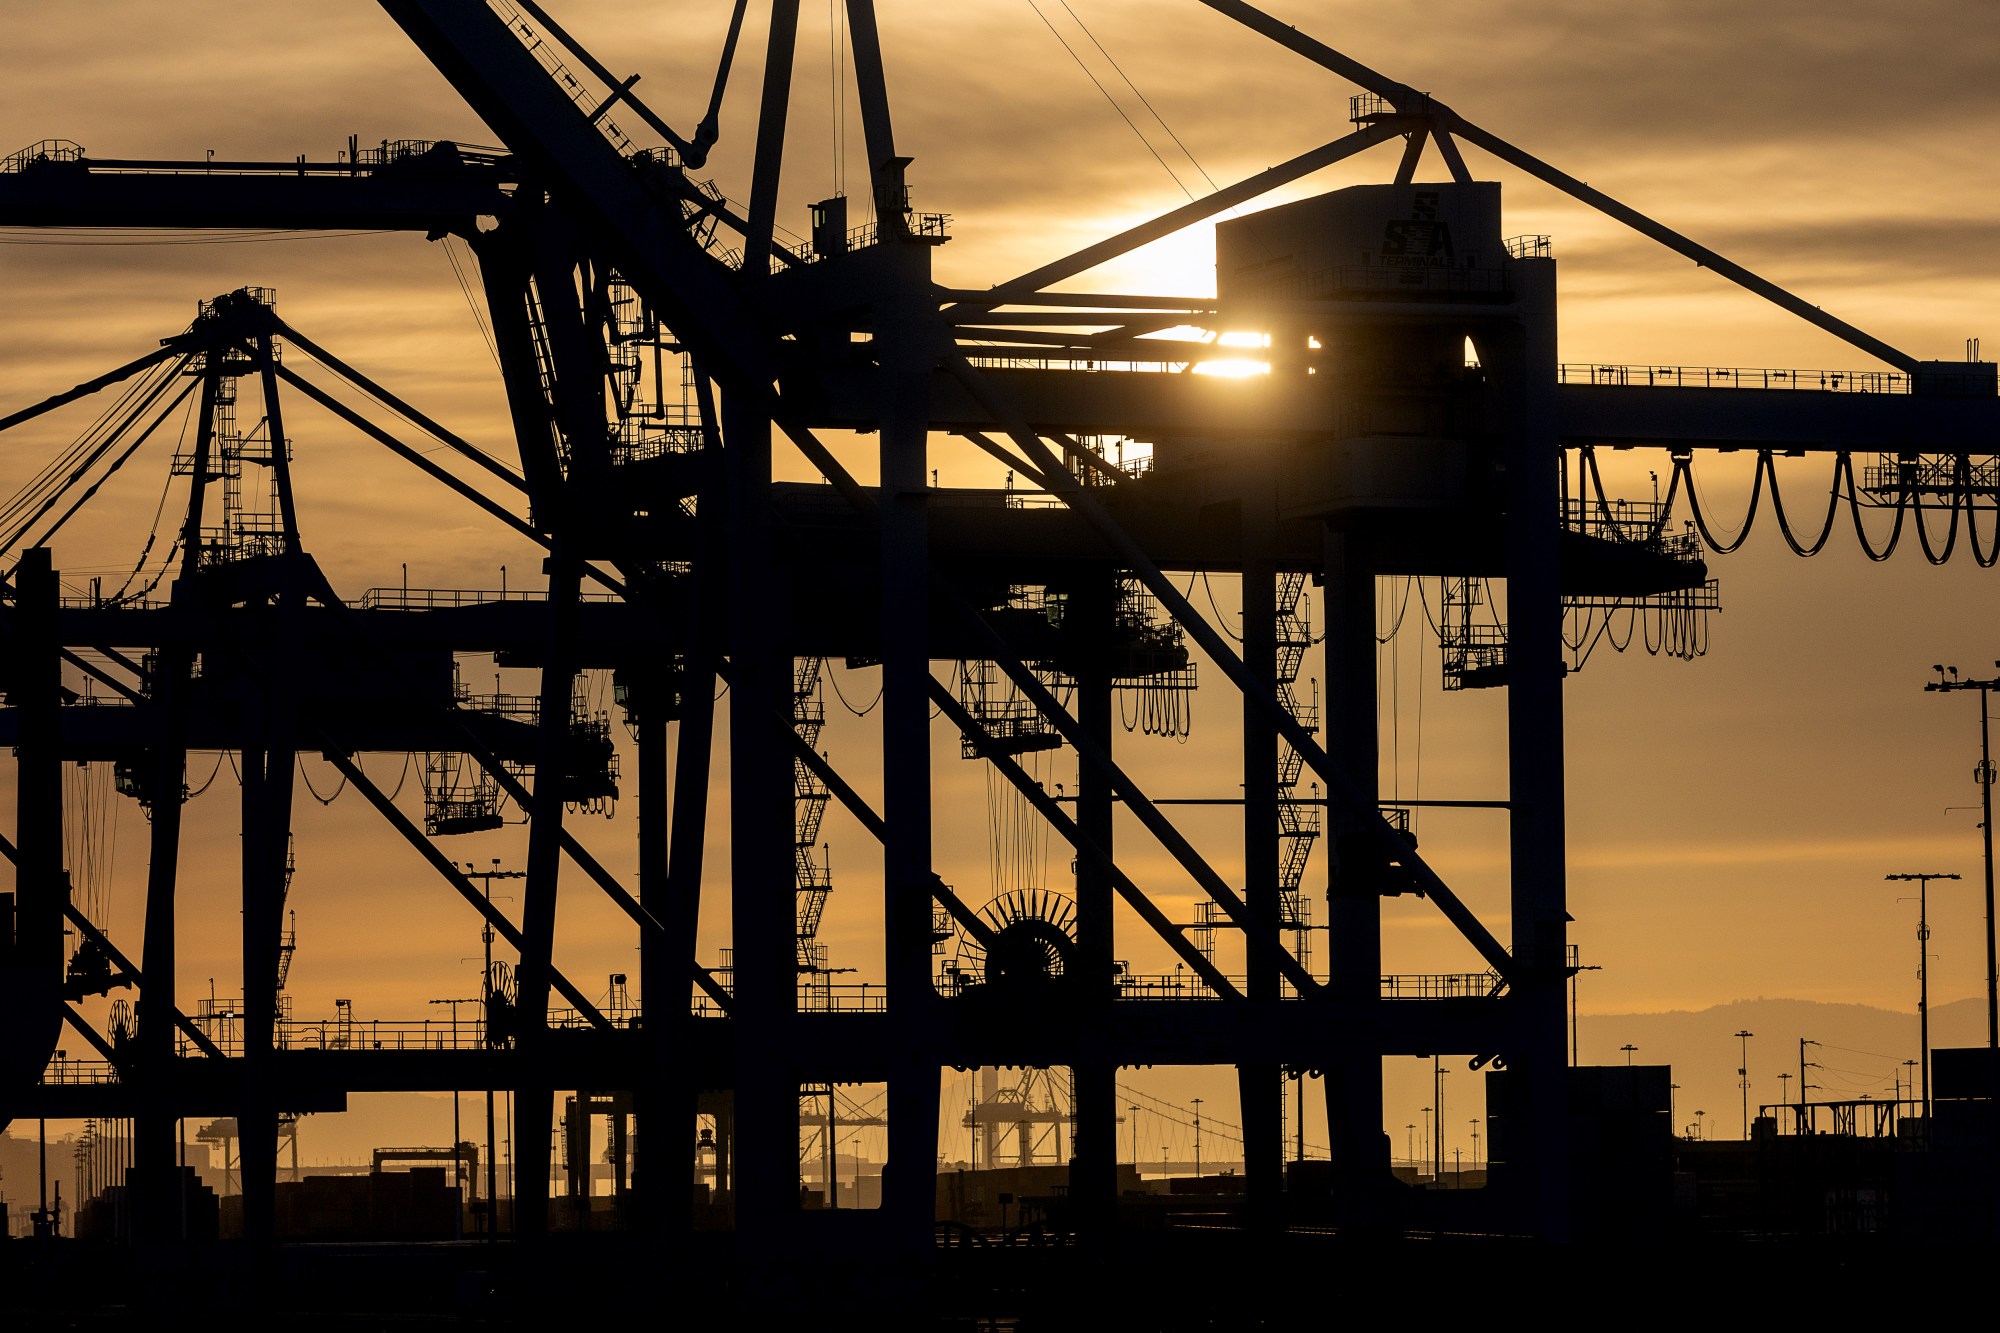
(1374, 446)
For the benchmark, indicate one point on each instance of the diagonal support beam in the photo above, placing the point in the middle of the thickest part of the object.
(1675, 241)
(103, 941)
(1447, 122)
(1086, 847)
(1129, 554)
(1129, 792)
(998, 650)
(1399, 95)
(453, 876)
(521, 795)
(409, 455)
(855, 804)
(1413, 153)
(1455, 160)
(388, 399)
(91, 1034)
(123, 457)
(181, 346)
(99, 674)
(1187, 214)
(645, 920)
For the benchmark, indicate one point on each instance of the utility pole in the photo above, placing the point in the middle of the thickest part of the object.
(1628, 1048)
(1983, 775)
(1803, 1085)
(1743, 1077)
(1437, 1118)
(1197, 1138)
(1576, 965)
(1784, 1089)
(1924, 976)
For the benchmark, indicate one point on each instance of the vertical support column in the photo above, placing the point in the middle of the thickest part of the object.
(534, 1083)
(505, 273)
(1354, 917)
(1094, 1172)
(266, 806)
(763, 911)
(1258, 1087)
(256, 1125)
(1526, 368)
(871, 88)
(33, 955)
(156, 1144)
(904, 330)
(268, 768)
(662, 1188)
(577, 391)
(677, 903)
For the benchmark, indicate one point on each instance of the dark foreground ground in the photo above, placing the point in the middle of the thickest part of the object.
(1159, 1280)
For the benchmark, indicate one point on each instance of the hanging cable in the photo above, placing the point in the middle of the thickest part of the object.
(1765, 461)
(1695, 508)
(1130, 124)
(1923, 529)
(1401, 611)
(47, 488)
(212, 775)
(833, 679)
(307, 778)
(1845, 464)
(1221, 621)
(116, 463)
(1984, 559)
(478, 317)
(1143, 99)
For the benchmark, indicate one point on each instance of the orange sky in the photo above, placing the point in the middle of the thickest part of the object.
(1730, 819)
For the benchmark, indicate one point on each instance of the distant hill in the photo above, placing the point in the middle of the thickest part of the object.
(1861, 1051)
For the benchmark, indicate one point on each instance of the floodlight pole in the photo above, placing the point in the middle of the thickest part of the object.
(1743, 1076)
(1923, 978)
(1984, 776)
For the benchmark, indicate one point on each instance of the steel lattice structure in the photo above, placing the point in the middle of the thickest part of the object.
(1373, 448)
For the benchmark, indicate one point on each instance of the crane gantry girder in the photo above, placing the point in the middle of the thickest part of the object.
(847, 1047)
(446, 189)
(441, 189)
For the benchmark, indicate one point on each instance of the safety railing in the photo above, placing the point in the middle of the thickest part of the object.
(65, 1072)
(41, 153)
(434, 599)
(1734, 377)
(1441, 985)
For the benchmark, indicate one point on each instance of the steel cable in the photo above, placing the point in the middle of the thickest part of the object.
(1951, 533)
(1715, 543)
(1846, 466)
(1765, 461)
